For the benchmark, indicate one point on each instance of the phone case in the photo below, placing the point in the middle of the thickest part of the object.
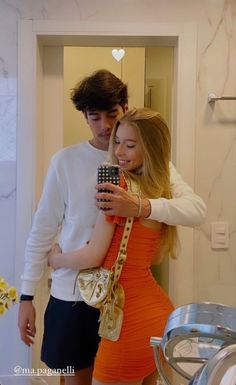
(108, 174)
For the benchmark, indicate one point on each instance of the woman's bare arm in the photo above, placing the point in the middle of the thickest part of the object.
(90, 255)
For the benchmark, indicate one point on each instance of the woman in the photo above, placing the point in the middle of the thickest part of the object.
(140, 143)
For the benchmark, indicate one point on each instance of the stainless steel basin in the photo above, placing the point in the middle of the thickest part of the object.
(219, 370)
(194, 333)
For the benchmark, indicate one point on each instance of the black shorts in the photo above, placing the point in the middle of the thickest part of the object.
(70, 334)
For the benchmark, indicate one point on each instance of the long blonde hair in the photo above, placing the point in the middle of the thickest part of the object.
(154, 174)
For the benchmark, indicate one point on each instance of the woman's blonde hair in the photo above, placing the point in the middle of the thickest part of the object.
(154, 175)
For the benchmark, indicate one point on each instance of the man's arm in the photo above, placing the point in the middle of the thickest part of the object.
(46, 223)
(45, 227)
(185, 208)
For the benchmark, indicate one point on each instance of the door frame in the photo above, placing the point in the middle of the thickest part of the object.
(183, 37)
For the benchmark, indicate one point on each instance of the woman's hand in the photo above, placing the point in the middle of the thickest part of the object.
(54, 256)
(121, 203)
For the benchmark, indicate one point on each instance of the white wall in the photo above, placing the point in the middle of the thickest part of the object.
(215, 126)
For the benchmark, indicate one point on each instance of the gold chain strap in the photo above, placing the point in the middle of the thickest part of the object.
(122, 254)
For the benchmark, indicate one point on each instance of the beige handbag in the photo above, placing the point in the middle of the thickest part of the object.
(99, 287)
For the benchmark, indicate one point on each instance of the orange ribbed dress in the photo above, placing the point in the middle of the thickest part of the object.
(146, 310)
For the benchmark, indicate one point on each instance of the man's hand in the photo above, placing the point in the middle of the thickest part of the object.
(26, 322)
(121, 202)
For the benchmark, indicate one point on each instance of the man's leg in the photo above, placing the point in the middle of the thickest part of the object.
(70, 339)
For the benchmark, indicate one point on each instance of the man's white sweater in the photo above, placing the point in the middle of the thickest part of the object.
(67, 210)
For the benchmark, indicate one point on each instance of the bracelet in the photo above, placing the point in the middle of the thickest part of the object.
(25, 297)
(139, 206)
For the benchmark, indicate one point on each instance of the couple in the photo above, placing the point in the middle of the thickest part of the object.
(140, 143)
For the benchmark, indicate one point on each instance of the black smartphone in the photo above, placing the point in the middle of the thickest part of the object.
(108, 174)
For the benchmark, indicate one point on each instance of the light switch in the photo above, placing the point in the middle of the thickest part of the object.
(219, 235)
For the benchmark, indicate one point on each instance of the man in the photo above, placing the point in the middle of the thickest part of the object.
(66, 207)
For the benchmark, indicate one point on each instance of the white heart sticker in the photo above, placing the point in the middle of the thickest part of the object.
(118, 54)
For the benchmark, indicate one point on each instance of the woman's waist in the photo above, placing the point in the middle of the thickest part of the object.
(135, 276)
(133, 264)
(144, 287)
(139, 251)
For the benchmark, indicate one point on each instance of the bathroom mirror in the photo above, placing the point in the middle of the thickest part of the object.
(43, 125)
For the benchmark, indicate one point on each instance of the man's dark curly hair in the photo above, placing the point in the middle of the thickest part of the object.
(100, 91)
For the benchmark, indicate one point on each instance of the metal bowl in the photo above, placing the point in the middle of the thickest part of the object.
(193, 334)
(168, 375)
(219, 370)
